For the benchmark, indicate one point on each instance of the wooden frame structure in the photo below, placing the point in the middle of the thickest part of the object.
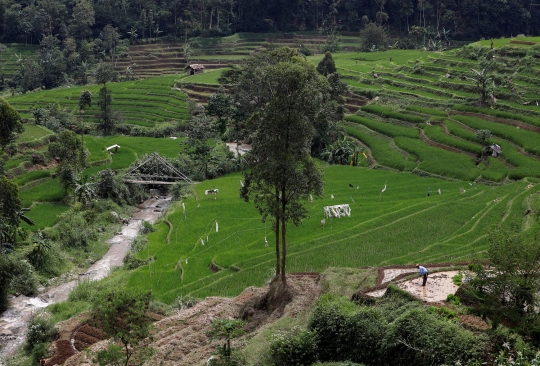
(155, 170)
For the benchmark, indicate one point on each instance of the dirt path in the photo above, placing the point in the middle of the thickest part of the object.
(14, 320)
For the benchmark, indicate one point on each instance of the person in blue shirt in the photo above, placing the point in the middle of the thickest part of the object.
(422, 272)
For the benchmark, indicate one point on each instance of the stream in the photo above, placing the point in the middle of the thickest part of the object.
(13, 322)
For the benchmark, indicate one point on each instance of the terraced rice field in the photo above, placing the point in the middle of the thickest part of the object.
(424, 114)
(146, 102)
(402, 225)
(14, 54)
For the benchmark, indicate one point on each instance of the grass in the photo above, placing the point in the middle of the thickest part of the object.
(427, 110)
(383, 229)
(44, 215)
(33, 132)
(528, 140)
(144, 102)
(384, 128)
(500, 114)
(439, 161)
(382, 150)
(207, 77)
(389, 113)
(437, 134)
(26, 178)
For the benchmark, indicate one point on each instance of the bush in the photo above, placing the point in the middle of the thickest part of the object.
(75, 230)
(453, 299)
(41, 349)
(346, 331)
(40, 330)
(181, 190)
(419, 338)
(138, 243)
(132, 262)
(146, 228)
(297, 348)
(23, 280)
(305, 50)
(38, 158)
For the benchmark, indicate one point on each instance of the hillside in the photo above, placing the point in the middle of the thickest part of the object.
(424, 193)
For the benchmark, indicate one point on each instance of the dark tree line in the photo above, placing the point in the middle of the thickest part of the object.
(30, 20)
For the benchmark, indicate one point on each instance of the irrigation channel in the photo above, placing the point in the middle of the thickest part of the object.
(13, 322)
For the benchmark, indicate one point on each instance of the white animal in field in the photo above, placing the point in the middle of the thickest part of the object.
(212, 192)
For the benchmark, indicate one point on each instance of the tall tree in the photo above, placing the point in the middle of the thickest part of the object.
(68, 151)
(220, 105)
(83, 18)
(10, 123)
(288, 94)
(327, 65)
(200, 130)
(508, 288)
(105, 73)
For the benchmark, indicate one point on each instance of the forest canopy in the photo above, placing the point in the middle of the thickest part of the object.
(30, 20)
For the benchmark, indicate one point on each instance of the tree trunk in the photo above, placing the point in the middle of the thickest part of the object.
(283, 252)
(278, 261)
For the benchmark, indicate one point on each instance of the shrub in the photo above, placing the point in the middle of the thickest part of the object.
(305, 50)
(442, 312)
(38, 158)
(441, 342)
(132, 262)
(40, 349)
(75, 230)
(453, 299)
(138, 243)
(296, 348)
(23, 280)
(146, 228)
(40, 330)
(346, 331)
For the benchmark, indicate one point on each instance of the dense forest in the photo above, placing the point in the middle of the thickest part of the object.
(30, 20)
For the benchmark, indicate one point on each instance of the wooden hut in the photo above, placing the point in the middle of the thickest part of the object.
(195, 68)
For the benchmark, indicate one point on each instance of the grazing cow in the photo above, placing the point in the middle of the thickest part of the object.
(212, 192)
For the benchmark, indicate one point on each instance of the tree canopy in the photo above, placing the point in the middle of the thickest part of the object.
(10, 209)
(10, 123)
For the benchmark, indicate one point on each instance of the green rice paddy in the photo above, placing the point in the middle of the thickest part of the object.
(400, 225)
(420, 136)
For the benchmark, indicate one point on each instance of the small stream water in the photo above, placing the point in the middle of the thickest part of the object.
(13, 322)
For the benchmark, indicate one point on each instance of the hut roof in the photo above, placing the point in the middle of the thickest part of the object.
(112, 147)
(196, 66)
